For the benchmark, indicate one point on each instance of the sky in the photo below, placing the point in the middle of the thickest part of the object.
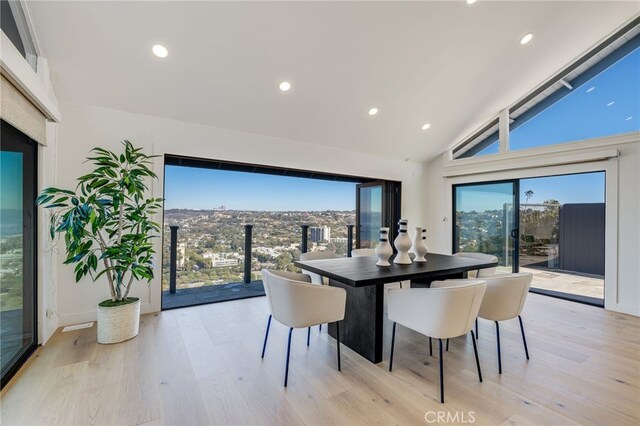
(196, 188)
(11, 180)
(607, 104)
(576, 188)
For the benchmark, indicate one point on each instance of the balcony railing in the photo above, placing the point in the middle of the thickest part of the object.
(248, 251)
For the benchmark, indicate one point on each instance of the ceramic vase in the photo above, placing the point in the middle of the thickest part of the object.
(419, 247)
(402, 244)
(384, 250)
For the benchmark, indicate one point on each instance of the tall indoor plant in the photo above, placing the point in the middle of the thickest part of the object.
(108, 231)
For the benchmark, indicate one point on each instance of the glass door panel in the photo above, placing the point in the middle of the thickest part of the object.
(486, 220)
(17, 243)
(369, 213)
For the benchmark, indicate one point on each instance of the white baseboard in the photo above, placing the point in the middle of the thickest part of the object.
(80, 317)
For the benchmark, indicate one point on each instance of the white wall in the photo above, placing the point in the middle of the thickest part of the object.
(622, 262)
(85, 127)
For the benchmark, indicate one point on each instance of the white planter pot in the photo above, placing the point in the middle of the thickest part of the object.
(118, 323)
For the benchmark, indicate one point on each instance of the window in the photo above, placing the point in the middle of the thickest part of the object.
(596, 96)
(484, 142)
(603, 105)
(14, 24)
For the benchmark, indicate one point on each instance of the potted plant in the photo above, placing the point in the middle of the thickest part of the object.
(108, 231)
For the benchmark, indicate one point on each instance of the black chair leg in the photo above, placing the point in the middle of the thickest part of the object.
(286, 368)
(498, 341)
(447, 345)
(308, 335)
(430, 347)
(393, 342)
(476, 328)
(320, 328)
(266, 335)
(338, 343)
(475, 351)
(441, 372)
(524, 339)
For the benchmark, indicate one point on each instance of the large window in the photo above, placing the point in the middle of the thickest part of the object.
(17, 250)
(596, 96)
(604, 105)
(14, 24)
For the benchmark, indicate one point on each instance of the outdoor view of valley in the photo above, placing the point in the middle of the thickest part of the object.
(211, 242)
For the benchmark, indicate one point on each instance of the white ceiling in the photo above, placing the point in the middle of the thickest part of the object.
(446, 63)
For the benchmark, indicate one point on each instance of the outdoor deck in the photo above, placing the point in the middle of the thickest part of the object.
(211, 294)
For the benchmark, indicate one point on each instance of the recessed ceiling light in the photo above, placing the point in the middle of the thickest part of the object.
(160, 51)
(373, 111)
(285, 86)
(426, 126)
(526, 38)
(471, 1)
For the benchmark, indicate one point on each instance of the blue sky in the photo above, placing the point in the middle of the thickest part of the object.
(577, 188)
(11, 179)
(607, 104)
(195, 188)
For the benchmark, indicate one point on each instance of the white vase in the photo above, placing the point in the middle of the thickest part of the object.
(118, 323)
(384, 250)
(419, 247)
(402, 244)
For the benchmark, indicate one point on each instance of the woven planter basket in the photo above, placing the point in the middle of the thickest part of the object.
(118, 323)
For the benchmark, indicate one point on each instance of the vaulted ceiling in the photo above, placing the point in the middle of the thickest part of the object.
(449, 64)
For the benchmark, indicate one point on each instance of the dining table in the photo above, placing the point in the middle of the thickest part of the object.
(362, 329)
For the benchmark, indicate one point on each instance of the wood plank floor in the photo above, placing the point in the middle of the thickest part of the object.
(202, 365)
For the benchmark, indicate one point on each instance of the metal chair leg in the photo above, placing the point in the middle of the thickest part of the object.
(441, 373)
(286, 369)
(393, 342)
(477, 329)
(338, 343)
(308, 335)
(430, 347)
(498, 341)
(475, 351)
(266, 335)
(447, 345)
(524, 339)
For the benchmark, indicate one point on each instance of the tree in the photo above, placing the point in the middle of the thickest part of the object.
(527, 195)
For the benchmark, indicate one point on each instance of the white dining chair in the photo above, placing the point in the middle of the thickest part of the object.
(503, 300)
(316, 278)
(296, 303)
(363, 252)
(483, 272)
(366, 252)
(440, 313)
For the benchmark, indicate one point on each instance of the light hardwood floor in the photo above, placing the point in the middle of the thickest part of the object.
(202, 365)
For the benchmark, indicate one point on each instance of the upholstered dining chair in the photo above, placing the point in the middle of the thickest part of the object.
(503, 300)
(296, 303)
(363, 252)
(440, 313)
(484, 272)
(316, 278)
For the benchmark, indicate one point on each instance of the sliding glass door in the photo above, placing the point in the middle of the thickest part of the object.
(486, 220)
(18, 337)
(370, 213)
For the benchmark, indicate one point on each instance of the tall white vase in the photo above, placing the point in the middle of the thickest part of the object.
(402, 244)
(419, 247)
(384, 250)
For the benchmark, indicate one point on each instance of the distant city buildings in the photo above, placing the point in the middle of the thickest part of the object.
(318, 234)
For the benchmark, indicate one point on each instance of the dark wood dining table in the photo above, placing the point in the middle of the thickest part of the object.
(363, 327)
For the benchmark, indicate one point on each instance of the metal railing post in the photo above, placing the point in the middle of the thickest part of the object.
(247, 253)
(173, 258)
(305, 238)
(349, 239)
